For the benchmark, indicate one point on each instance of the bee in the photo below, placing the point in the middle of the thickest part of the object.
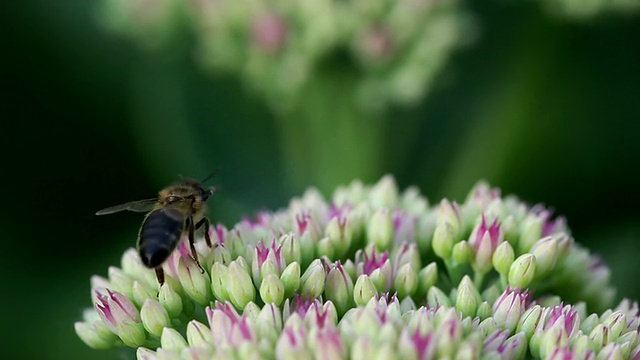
(179, 208)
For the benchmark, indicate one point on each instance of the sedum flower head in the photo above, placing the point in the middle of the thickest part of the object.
(372, 272)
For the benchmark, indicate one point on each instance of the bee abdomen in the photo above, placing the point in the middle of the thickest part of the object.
(159, 236)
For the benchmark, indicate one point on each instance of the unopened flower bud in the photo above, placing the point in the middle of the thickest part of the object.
(312, 281)
(406, 281)
(95, 334)
(239, 286)
(291, 279)
(272, 290)
(219, 281)
(380, 229)
(427, 277)
(522, 271)
(443, 240)
(194, 283)
(172, 340)
(339, 288)
(502, 258)
(290, 244)
(546, 253)
(509, 307)
(363, 290)
(171, 301)
(154, 317)
(462, 252)
(467, 297)
(436, 297)
(199, 335)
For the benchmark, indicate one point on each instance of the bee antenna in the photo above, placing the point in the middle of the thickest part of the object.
(213, 173)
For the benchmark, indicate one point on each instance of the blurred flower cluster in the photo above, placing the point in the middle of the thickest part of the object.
(372, 273)
(587, 9)
(394, 48)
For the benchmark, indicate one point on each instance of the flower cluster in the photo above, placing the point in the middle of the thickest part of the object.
(579, 9)
(278, 47)
(372, 273)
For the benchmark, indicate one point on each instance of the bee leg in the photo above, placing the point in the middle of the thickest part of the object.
(160, 275)
(207, 237)
(192, 245)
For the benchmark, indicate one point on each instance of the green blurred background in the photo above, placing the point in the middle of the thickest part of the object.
(545, 108)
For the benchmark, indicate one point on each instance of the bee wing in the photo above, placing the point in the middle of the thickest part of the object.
(135, 206)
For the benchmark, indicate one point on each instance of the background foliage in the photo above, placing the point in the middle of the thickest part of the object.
(540, 106)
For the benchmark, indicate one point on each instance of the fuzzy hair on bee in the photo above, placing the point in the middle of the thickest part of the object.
(179, 209)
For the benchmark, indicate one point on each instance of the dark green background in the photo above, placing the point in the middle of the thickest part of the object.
(544, 108)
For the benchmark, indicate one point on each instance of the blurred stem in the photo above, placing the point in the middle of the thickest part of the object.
(327, 139)
(506, 116)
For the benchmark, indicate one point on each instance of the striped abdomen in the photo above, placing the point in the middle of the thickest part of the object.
(159, 235)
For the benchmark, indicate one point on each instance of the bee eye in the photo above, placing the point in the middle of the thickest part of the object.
(172, 199)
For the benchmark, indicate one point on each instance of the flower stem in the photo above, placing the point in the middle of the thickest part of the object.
(328, 139)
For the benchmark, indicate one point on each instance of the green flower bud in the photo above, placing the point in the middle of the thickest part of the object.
(142, 292)
(384, 193)
(251, 311)
(172, 340)
(488, 326)
(194, 283)
(380, 229)
(599, 337)
(502, 258)
(307, 248)
(407, 305)
(272, 290)
(220, 254)
(436, 297)
(617, 323)
(363, 290)
(443, 240)
(219, 280)
(462, 252)
(427, 277)
(509, 307)
(120, 282)
(291, 279)
(269, 322)
(467, 297)
(199, 335)
(530, 231)
(324, 247)
(611, 351)
(381, 276)
(170, 300)
(406, 281)
(530, 320)
(450, 213)
(522, 271)
(449, 336)
(484, 310)
(154, 317)
(339, 288)
(290, 245)
(95, 334)
(546, 253)
(132, 266)
(239, 286)
(312, 281)
(339, 233)
(581, 347)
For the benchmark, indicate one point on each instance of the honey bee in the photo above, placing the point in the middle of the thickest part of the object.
(179, 208)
